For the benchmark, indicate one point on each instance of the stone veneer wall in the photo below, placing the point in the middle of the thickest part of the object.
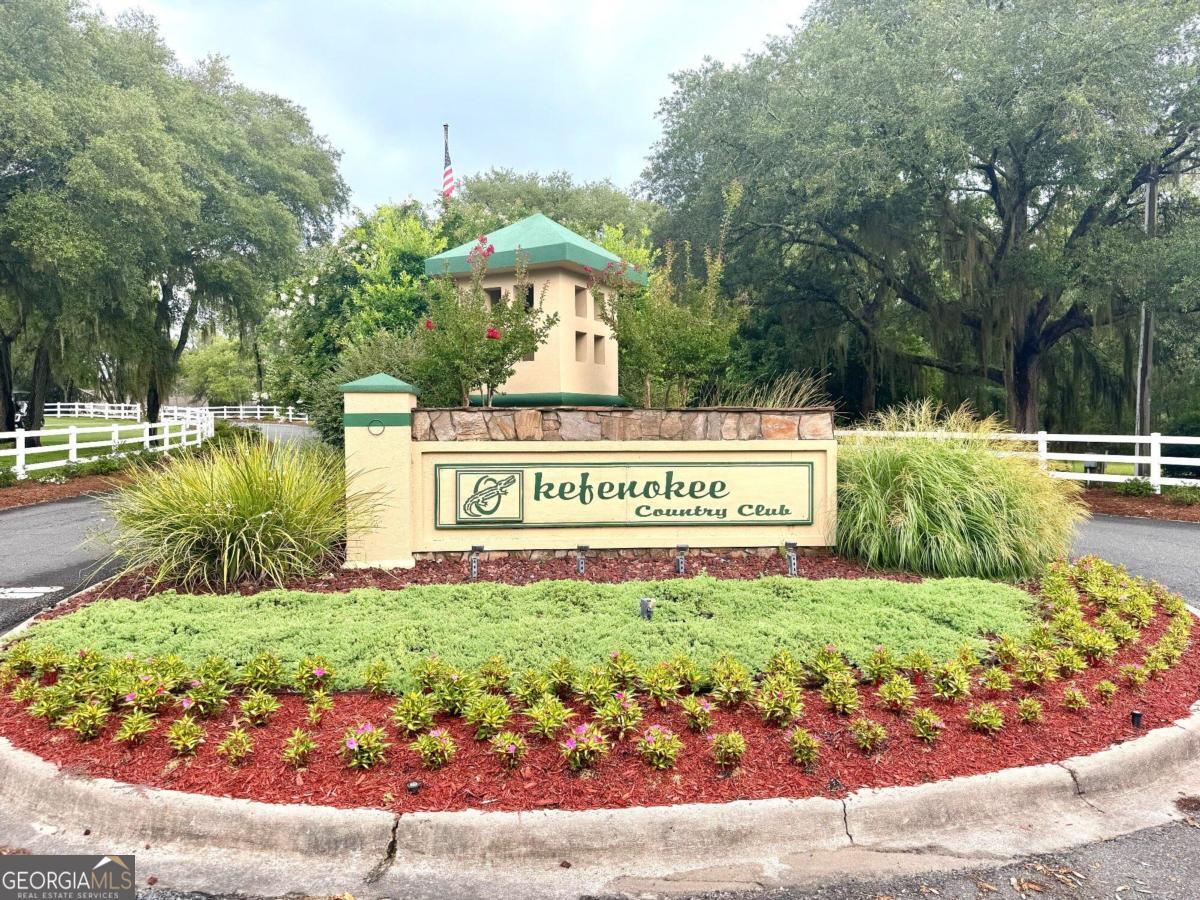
(603, 424)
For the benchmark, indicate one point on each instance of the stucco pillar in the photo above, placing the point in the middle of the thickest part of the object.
(378, 428)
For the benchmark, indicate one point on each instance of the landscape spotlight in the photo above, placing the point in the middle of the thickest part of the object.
(475, 551)
(680, 557)
(790, 546)
(1135, 719)
(647, 608)
(413, 786)
(581, 559)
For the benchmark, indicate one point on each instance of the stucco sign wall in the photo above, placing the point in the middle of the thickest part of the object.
(541, 489)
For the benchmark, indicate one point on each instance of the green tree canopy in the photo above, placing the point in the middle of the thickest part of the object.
(959, 182)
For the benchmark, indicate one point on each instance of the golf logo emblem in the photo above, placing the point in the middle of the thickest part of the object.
(494, 495)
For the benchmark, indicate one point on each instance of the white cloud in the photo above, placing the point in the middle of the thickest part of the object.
(528, 84)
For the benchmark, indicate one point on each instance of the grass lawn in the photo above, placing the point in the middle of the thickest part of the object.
(534, 624)
(56, 423)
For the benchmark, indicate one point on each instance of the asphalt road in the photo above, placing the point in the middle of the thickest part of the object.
(1165, 551)
(51, 550)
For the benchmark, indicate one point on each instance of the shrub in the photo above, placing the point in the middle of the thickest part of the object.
(594, 686)
(949, 506)
(435, 747)
(783, 663)
(917, 663)
(897, 694)
(1182, 495)
(363, 746)
(562, 675)
(204, 698)
(1106, 690)
(86, 719)
(509, 747)
(456, 691)
(298, 748)
(1074, 699)
(731, 682)
(376, 675)
(622, 668)
(257, 706)
(532, 685)
(318, 704)
(841, 694)
(996, 679)
(778, 700)
(951, 682)
(495, 674)
(690, 675)
(489, 714)
(698, 713)
(620, 713)
(586, 744)
(8, 477)
(548, 715)
(926, 724)
(827, 663)
(253, 511)
(867, 735)
(661, 684)
(236, 745)
(134, 727)
(659, 746)
(728, 748)
(1134, 487)
(986, 717)
(313, 674)
(1029, 710)
(264, 671)
(804, 748)
(185, 735)
(413, 713)
(880, 665)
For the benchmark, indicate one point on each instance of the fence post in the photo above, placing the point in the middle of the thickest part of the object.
(73, 444)
(116, 437)
(1042, 449)
(1155, 461)
(19, 468)
(145, 435)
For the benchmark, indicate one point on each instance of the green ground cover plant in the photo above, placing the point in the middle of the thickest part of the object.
(949, 507)
(534, 626)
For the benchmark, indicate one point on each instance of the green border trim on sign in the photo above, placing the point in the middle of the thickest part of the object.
(363, 420)
(437, 492)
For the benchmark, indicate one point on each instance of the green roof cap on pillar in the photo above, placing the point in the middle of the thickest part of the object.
(378, 383)
(542, 240)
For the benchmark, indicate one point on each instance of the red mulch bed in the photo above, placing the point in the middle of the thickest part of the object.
(510, 570)
(474, 779)
(1110, 503)
(28, 492)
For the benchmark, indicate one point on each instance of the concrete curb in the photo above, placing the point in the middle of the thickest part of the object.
(896, 818)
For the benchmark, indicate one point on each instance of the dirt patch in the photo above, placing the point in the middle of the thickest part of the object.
(1109, 503)
(475, 778)
(29, 492)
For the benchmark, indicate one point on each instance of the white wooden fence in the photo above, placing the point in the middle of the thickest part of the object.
(1146, 450)
(246, 412)
(253, 412)
(85, 444)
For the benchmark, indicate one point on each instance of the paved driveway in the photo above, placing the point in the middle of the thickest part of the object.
(1165, 551)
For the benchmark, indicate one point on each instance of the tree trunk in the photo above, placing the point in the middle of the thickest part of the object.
(153, 401)
(40, 386)
(8, 408)
(1023, 388)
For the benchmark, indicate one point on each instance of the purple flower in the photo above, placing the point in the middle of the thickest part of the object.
(368, 727)
(195, 682)
(145, 678)
(131, 696)
(511, 748)
(186, 702)
(570, 744)
(319, 672)
(351, 744)
(580, 729)
(615, 654)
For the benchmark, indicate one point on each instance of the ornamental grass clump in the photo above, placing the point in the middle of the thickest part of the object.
(949, 505)
(247, 511)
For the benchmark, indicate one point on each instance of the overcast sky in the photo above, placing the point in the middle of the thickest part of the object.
(534, 85)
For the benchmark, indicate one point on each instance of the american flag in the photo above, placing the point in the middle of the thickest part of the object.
(448, 171)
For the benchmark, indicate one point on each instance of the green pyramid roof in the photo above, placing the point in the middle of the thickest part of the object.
(378, 383)
(542, 240)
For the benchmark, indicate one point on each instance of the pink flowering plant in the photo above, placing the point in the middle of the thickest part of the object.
(698, 711)
(363, 746)
(204, 698)
(584, 746)
(509, 747)
(620, 713)
(659, 747)
(778, 700)
(435, 747)
(313, 674)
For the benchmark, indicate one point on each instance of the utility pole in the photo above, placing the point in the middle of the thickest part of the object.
(1146, 334)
